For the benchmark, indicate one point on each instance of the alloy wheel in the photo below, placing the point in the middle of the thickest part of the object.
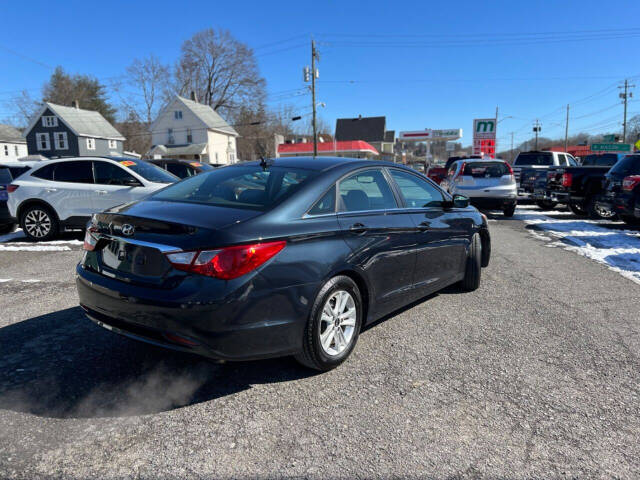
(337, 323)
(37, 223)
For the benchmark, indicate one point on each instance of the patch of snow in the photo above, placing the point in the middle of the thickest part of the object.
(33, 247)
(5, 280)
(617, 249)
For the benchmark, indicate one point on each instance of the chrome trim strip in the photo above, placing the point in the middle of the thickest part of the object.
(141, 243)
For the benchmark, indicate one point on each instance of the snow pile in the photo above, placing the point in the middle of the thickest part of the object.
(7, 244)
(618, 248)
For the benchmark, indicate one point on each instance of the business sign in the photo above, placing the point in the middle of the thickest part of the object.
(610, 147)
(484, 136)
(430, 134)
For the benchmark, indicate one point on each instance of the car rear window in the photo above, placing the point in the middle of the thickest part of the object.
(537, 158)
(148, 171)
(248, 187)
(5, 175)
(486, 169)
(604, 160)
(629, 165)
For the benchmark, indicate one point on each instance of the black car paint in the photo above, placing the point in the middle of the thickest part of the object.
(587, 183)
(396, 256)
(614, 198)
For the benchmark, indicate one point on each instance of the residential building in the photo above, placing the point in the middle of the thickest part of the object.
(368, 129)
(190, 130)
(59, 131)
(12, 144)
(349, 148)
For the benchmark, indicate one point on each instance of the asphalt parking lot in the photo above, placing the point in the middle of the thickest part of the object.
(534, 375)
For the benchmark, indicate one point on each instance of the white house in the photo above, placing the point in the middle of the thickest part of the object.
(12, 144)
(188, 129)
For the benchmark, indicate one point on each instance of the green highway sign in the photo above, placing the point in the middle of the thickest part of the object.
(610, 147)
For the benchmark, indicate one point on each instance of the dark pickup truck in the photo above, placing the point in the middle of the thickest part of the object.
(621, 193)
(530, 170)
(579, 187)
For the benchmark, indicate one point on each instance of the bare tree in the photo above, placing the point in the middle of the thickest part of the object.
(221, 70)
(150, 78)
(23, 107)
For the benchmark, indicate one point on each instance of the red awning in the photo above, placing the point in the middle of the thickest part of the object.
(350, 146)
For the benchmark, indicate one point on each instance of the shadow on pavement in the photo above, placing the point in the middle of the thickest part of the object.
(61, 365)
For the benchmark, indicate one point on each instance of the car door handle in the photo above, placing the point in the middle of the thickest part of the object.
(424, 226)
(51, 189)
(101, 192)
(358, 228)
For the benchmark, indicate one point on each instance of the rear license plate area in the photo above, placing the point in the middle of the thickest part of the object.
(121, 256)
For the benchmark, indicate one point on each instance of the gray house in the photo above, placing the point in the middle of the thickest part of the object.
(58, 131)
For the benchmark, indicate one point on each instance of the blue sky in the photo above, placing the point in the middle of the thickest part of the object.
(422, 64)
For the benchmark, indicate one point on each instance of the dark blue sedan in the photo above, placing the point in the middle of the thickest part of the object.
(284, 257)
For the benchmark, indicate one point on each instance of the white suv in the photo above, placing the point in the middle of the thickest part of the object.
(65, 193)
(488, 184)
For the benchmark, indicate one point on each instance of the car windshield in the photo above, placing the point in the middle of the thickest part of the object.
(534, 158)
(486, 169)
(147, 170)
(5, 176)
(629, 165)
(248, 187)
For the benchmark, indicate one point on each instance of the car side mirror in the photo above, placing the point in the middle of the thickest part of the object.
(460, 201)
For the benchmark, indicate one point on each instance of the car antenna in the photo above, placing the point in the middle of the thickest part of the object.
(264, 163)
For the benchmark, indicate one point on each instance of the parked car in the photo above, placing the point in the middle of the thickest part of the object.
(309, 252)
(621, 193)
(182, 168)
(528, 168)
(488, 184)
(58, 194)
(8, 172)
(437, 173)
(579, 187)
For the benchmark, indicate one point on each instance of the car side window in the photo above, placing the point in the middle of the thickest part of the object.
(365, 190)
(327, 204)
(45, 173)
(109, 174)
(417, 193)
(73, 172)
(178, 169)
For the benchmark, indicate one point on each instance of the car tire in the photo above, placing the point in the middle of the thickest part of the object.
(321, 349)
(577, 209)
(473, 269)
(39, 222)
(629, 220)
(546, 204)
(597, 213)
(7, 228)
(509, 210)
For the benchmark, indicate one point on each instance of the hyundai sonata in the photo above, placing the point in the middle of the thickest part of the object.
(285, 257)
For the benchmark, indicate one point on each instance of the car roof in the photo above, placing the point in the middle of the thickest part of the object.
(320, 163)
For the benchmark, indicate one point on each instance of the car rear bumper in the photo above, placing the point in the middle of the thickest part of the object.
(244, 325)
(5, 216)
(492, 202)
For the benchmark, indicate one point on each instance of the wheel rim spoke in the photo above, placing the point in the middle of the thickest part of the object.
(337, 323)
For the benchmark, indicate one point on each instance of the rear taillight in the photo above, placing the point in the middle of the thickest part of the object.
(510, 168)
(90, 239)
(462, 167)
(567, 179)
(630, 182)
(12, 188)
(225, 263)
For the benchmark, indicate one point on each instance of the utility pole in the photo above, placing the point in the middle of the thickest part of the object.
(511, 154)
(495, 143)
(566, 131)
(537, 128)
(313, 96)
(625, 97)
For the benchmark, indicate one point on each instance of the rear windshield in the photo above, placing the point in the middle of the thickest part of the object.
(146, 170)
(5, 176)
(629, 165)
(486, 169)
(604, 160)
(248, 187)
(537, 158)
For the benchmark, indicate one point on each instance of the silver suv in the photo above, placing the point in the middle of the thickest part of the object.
(488, 184)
